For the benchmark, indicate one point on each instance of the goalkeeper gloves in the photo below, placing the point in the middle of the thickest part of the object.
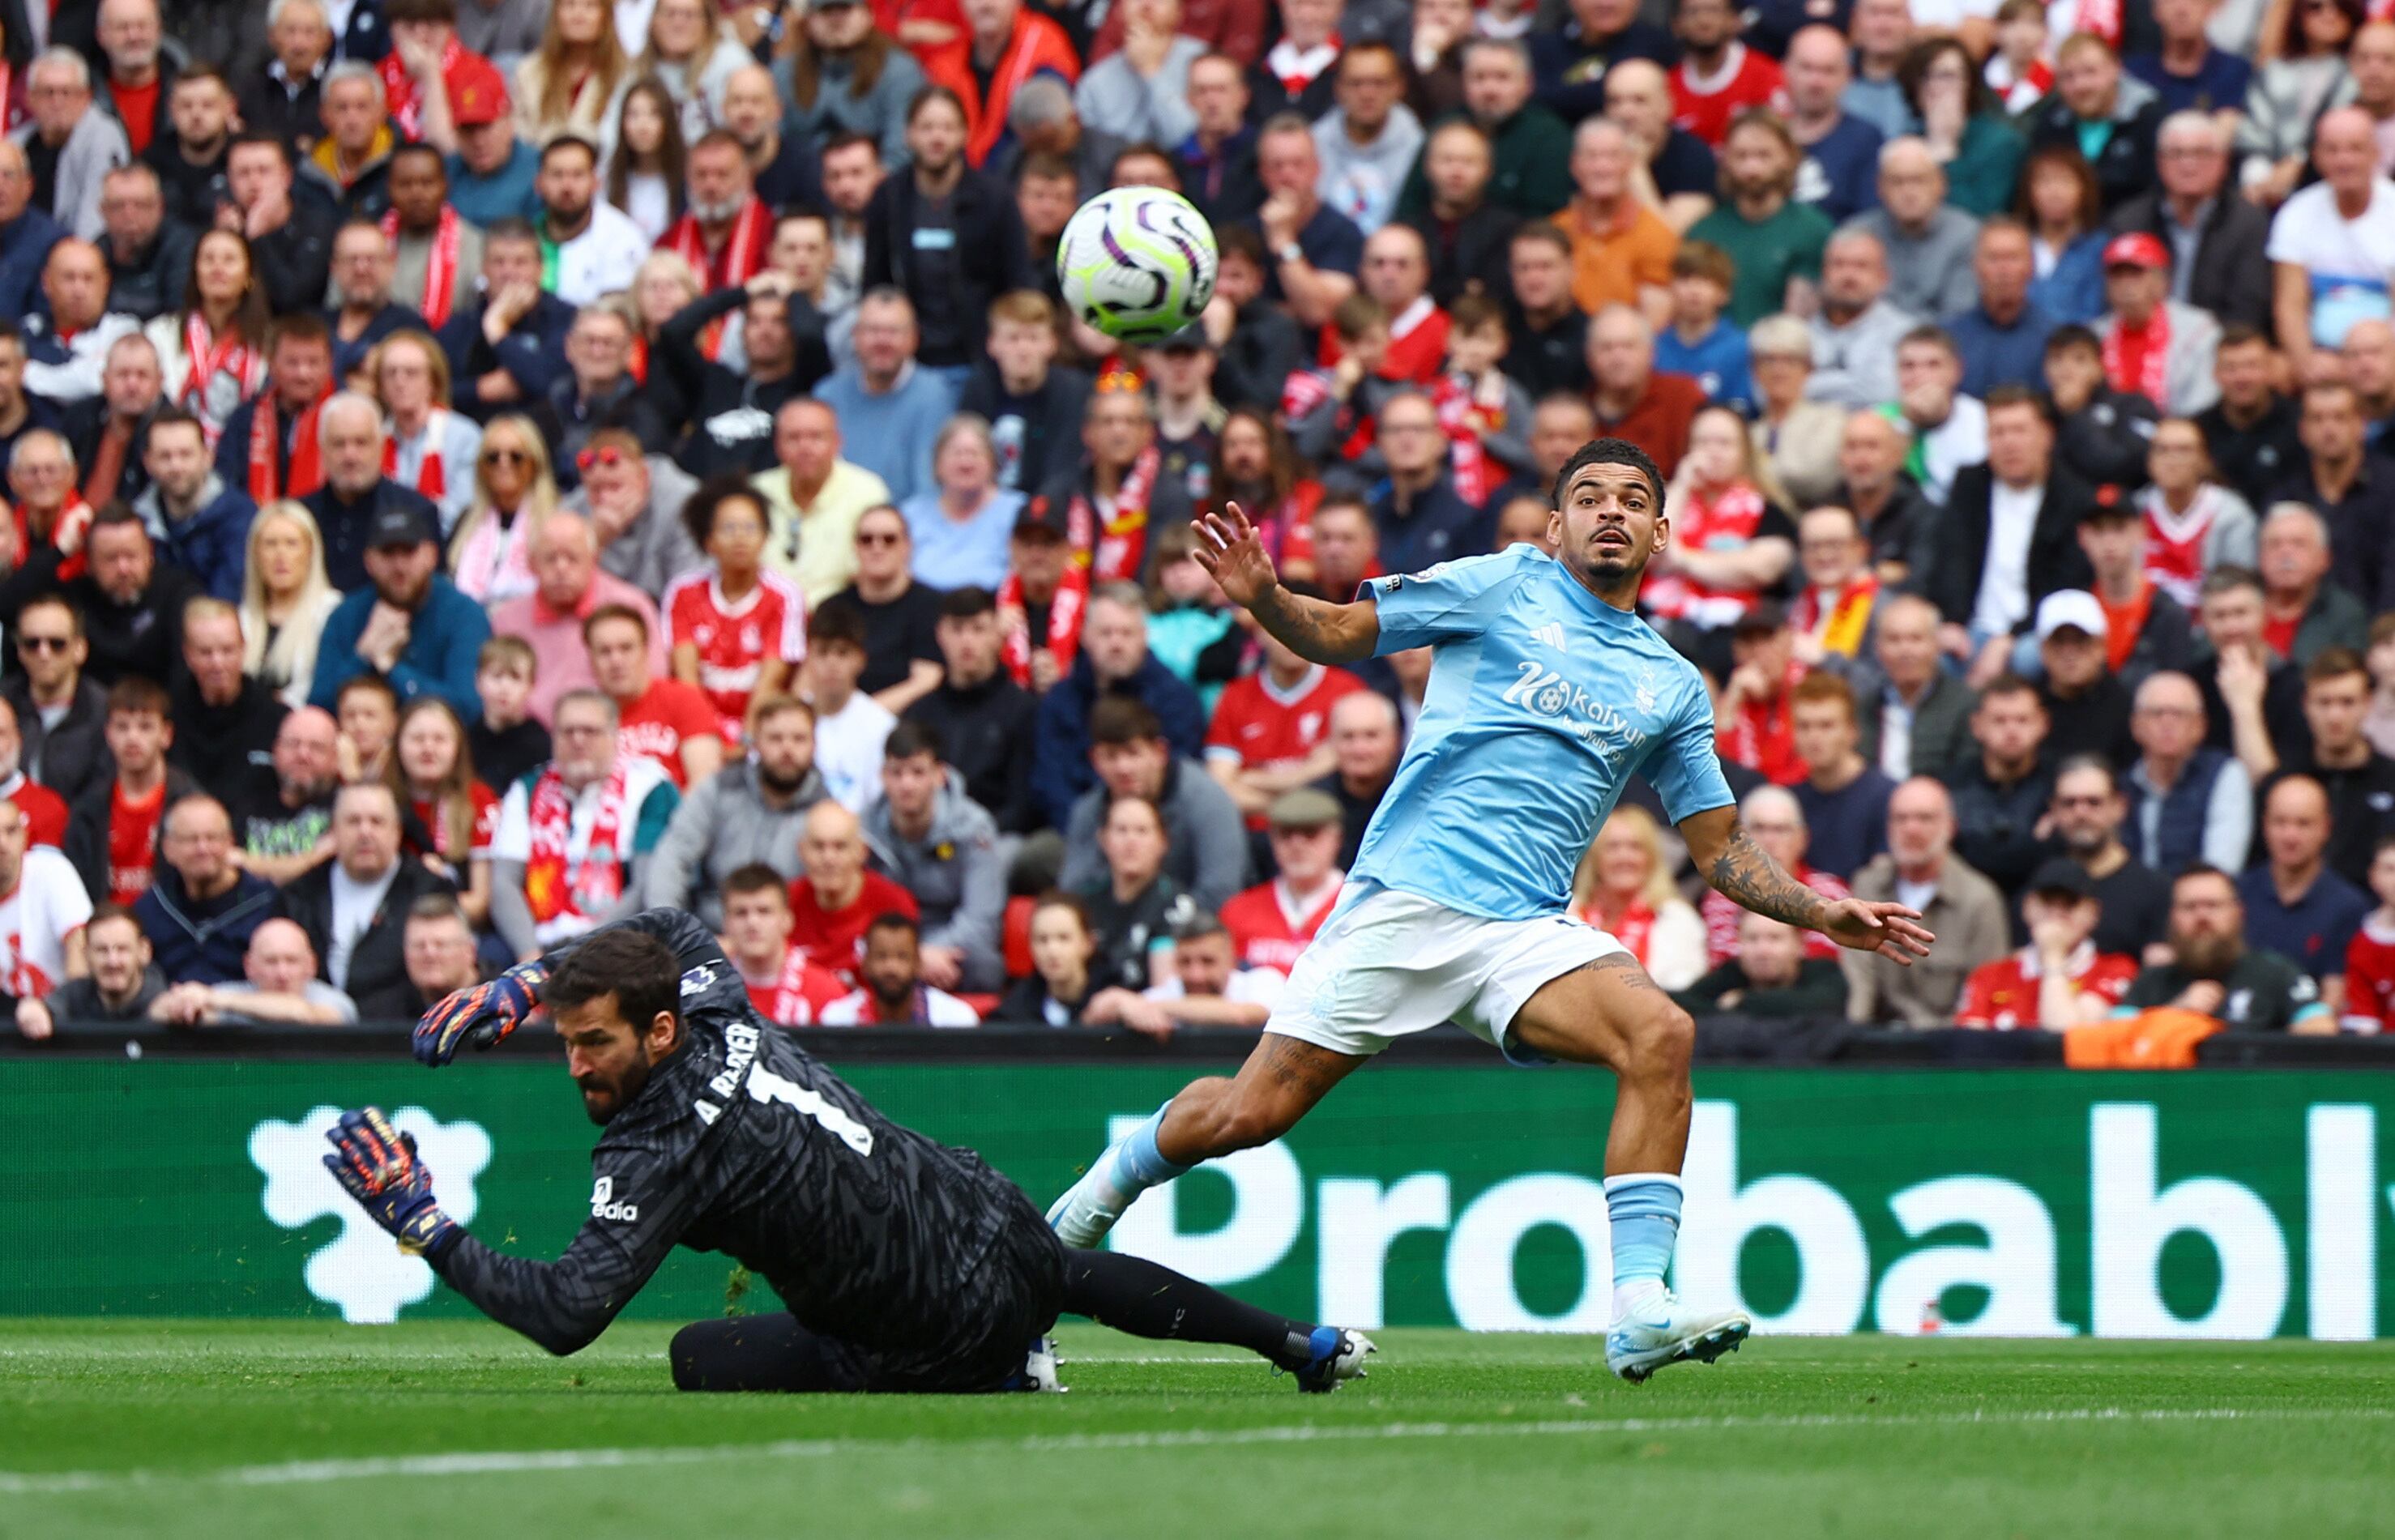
(481, 1016)
(377, 1165)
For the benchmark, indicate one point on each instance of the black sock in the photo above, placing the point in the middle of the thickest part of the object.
(1133, 1295)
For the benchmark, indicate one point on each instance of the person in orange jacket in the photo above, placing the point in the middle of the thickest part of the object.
(1012, 45)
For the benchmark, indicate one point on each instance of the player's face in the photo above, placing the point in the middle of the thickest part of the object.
(609, 1061)
(1612, 523)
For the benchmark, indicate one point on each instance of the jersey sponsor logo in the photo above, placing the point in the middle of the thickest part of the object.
(1548, 693)
(606, 1205)
(360, 1270)
(1552, 635)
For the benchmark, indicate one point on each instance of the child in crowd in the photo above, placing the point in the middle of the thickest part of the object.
(1034, 406)
(1063, 949)
(507, 743)
(2370, 959)
(1699, 342)
(367, 710)
(2018, 70)
(735, 628)
(1486, 414)
(1329, 407)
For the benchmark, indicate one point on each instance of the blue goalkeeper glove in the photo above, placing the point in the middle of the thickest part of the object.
(377, 1165)
(481, 1016)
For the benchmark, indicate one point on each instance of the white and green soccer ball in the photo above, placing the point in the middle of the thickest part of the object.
(1137, 263)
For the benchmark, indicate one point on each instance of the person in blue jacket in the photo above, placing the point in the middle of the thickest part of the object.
(410, 625)
(1113, 660)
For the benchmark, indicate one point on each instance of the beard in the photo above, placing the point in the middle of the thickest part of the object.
(715, 214)
(2207, 955)
(779, 784)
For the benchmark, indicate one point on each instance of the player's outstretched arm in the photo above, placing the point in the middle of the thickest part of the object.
(484, 1015)
(1742, 872)
(1314, 629)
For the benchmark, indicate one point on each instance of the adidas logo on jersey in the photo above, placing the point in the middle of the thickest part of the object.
(1553, 635)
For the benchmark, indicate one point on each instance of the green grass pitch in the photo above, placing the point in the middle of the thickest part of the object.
(256, 1430)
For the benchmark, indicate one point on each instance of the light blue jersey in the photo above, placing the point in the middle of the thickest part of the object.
(1543, 700)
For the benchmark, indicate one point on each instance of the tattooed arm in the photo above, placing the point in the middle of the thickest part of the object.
(1742, 872)
(1314, 629)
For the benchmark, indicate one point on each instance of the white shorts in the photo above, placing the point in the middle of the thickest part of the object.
(1388, 964)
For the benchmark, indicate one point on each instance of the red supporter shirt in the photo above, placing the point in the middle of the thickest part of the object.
(657, 724)
(1417, 345)
(45, 812)
(1752, 81)
(133, 842)
(136, 108)
(735, 639)
(1267, 930)
(485, 827)
(2002, 994)
(1764, 738)
(833, 940)
(1261, 726)
(1722, 918)
(2369, 979)
(797, 995)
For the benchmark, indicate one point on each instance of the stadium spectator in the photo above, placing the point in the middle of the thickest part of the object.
(1033, 405)
(850, 725)
(70, 143)
(44, 809)
(513, 489)
(735, 627)
(51, 518)
(410, 627)
(1844, 795)
(204, 522)
(2003, 336)
(942, 847)
(2216, 240)
(1872, 450)
(2154, 346)
(2370, 960)
(43, 911)
(1633, 400)
(1623, 889)
(351, 162)
(436, 254)
(1546, 331)
(1134, 905)
(112, 824)
(634, 500)
(2213, 971)
(2254, 432)
(1271, 729)
(747, 813)
(2359, 780)
(2304, 614)
(1769, 975)
(1063, 951)
(570, 589)
(289, 238)
(1205, 988)
(1960, 907)
(132, 603)
(2093, 105)
(366, 710)
(2193, 525)
(122, 986)
(2087, 704)
(1206, 853)
(2295, 905)
(817, 498)
(844, 72)
(887, 407)
(891, 989)
(449, 812)
(65, 348)
(202, 904)
(1368, 142)
(149, 256)
(2000, 794)
(27, 233)
(984, 720)
(1297, 75)
(505, 347)
(285, 95)
(492, 173)
(504, 742)
(432, 447)
(661, 718)
(1772, 815)
(227, 720)
(1926, 241)
(1833, 609)
(1838, 147)
(2252, 704)
(784, 985)
(598, 393)
(840, 896)
(1271, 922)
(354, 907)
(2088, 814)
(60, 711)
(271, 446)
(1773, 239)
(1620, 250)
(2101, 435)
(2188, 801)
(106, 433)
(960, 530)
(1753, 716)
(2323, 239)
(279, 987)
(1966, 131)
(439, 949)
(286, 834)
(2006, 539)
(576, 837)
(2352, 490)
(1315, 250)
(358, 490)
(2061, 978)
(1113, 660)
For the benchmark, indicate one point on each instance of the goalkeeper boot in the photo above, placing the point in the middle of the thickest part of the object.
(1339, 1355)
(1040, 1368)
(1661, 1330)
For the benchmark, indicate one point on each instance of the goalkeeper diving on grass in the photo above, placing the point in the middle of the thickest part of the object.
(905, 1265)
(1546, 694)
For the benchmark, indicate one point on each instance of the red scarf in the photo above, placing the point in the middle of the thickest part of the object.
(1115, 553)
(2100, 16)
(73, 514)
(208, 358)
(555, 886)
(1463, 420)
(1727, 523)
(306, 457)
(2138, 362)
(432, 478)
(635, 364)
(440, 269)
(798, 999)
(742, 256)
(398, 86)
(1633, 930)
(1065, 614)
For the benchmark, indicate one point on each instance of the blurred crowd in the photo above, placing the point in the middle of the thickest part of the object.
(477, 467)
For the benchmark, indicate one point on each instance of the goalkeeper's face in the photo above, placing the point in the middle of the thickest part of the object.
(609, 1059)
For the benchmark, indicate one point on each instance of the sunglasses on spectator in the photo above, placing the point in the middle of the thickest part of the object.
(610, 455)
(43, 644)
(506, 457)
(864, 539)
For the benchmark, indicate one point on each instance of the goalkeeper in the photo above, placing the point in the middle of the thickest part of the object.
(907, 1266)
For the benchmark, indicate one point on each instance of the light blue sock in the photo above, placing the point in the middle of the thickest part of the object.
(1137, 1164)
(1644, 1209)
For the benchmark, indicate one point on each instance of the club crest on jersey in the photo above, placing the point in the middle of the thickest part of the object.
(696, 981)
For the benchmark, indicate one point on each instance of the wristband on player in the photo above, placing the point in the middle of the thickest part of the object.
(482, 1015)
(377, 1165)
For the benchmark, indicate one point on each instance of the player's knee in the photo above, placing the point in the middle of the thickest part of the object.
(1663, 1038)
(691, 1352)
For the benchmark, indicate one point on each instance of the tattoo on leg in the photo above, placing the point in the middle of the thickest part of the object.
(1620, 968)
(1296, 1064)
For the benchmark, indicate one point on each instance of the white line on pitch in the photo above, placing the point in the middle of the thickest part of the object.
(314, 1472)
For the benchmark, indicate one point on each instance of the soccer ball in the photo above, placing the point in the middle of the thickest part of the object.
(1137, 263)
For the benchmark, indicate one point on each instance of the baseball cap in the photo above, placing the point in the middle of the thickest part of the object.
(1304, 808)
(2072, 607)
(399, 526)
(2136, 249)
(2062, 875)
(478, 95)
(1042, 515)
